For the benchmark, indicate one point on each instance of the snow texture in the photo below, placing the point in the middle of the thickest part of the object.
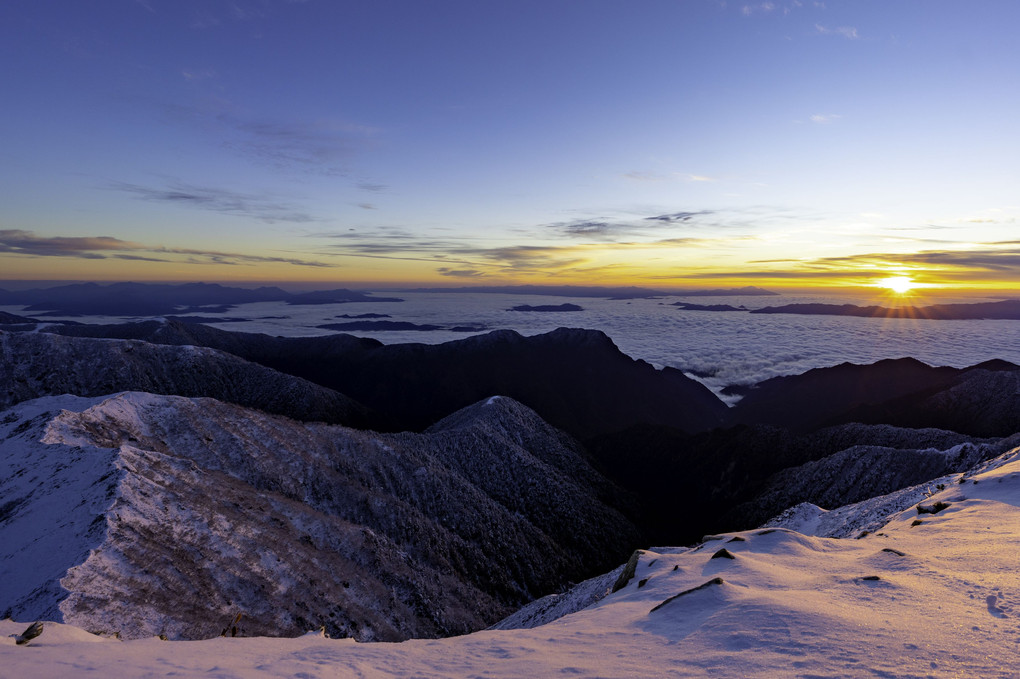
(145, 514)
(936, 598)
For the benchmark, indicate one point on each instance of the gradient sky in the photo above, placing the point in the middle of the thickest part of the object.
(680, 143)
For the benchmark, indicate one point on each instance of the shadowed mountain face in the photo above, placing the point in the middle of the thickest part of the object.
(44, 364)
(146, 514)
(982, 400)
(6, 318)
(736, 478)
(656, 433)
(577, 380)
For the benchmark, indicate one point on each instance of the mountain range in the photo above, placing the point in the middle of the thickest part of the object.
(384, 492)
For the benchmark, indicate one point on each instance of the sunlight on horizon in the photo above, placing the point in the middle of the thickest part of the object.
(898, 284)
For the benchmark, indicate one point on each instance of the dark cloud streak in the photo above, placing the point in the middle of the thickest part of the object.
(219, 200)
(26, 243)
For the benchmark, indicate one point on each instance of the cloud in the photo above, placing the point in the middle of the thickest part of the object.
(529, 258)
(253, 206)
(678, 216)
(140, 258)
(19, 242)
(325, 146)
(848, 32)
(234, 258)
(26, 243)
(586, 227)
(766, 274)
(824, 118)
(202, 74)
(641, 176)
(460, 273)
(603, 229)
(748, 10)
(998, 261)
(1003, 262)
(319, 147)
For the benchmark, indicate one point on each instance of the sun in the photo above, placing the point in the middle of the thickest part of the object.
(901, 285)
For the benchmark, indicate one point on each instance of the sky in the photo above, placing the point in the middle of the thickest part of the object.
(668, 144)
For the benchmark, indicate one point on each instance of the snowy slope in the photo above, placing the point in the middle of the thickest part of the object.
(938, 598)
(65, 495)
(146, 514)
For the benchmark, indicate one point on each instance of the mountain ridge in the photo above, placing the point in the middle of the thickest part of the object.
(377, 536)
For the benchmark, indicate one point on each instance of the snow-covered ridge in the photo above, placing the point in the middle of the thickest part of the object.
(929, 594)
(33, 365)
(163, 514)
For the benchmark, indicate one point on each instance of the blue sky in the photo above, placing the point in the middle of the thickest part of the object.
(652, 143)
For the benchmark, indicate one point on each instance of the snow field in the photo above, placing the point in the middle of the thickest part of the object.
(939, 598)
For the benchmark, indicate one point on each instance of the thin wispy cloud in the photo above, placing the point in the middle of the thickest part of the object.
(324, 146)
(21, 242)
(140, 258)
(848, 32)
(198, 74)
(749, 9)
(239, 259)
(28, 244)
(824, 118)
(460, 273)
(588, 228)
(607, 229)
(642, 176)
(321, 147)
(768, 274)
(674, 217)
(1004, 260)
(252, 206)
(989, 261)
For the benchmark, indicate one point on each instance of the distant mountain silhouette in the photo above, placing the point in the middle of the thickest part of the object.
(687, 306)
(1004, 309)
(546, 307)
(622, 292)
(155, 299)
(577, 380)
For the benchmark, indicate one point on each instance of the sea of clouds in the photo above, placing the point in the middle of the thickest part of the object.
(718, 348)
